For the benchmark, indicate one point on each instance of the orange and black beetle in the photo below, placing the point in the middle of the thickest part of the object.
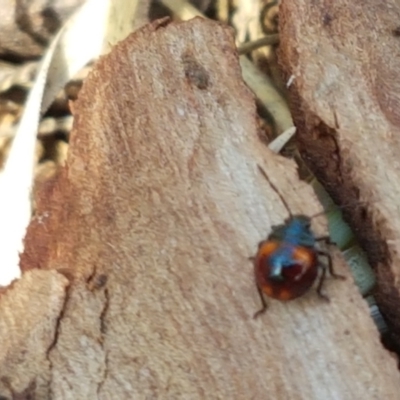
(287, 263)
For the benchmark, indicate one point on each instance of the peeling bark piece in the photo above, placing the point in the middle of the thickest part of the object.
(153, 220)
(345, 100)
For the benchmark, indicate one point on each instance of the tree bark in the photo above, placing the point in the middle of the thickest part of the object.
(137, 282)
(345, 101)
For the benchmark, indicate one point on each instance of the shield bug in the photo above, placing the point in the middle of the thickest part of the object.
(288, 263)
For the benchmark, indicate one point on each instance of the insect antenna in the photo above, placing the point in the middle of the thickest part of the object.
(324, 212)
(275, 190)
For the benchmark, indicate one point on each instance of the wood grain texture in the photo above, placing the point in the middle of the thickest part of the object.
(153, 220)
(345, 101)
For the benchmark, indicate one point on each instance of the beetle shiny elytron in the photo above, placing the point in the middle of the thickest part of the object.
(288, 263)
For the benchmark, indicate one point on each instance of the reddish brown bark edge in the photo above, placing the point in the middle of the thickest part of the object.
(321, 144)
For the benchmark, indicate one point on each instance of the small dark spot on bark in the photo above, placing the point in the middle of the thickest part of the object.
(327, 19)
(97, 282)
(363, 213)
(195, 72)
(101, 280)
(396, 31)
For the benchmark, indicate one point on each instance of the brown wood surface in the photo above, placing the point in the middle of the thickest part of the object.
(345, 100)
(152, 222)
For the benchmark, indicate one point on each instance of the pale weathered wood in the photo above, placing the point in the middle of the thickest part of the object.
(153, 220)
(345, 100)
(29, 313)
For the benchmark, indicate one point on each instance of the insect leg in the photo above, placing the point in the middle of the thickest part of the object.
(325, 239)
(330, 264)
(263, 303)
(320, 283)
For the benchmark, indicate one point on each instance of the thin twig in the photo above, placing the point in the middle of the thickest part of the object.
(269, 40)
